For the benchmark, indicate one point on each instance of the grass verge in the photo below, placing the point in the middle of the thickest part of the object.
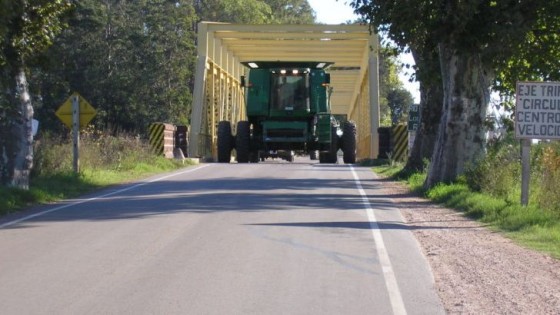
(530, 226)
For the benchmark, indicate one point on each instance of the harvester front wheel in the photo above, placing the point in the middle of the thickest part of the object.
(225, 143)
(243, 141)
(313, 154)
(349, 142)
(332, 157)
(324, 157)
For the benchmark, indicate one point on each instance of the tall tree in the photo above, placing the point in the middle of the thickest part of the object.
(291, 11)
(471, 38)
(388, 81)
(255, 11)
(28, 28)
(399, 101)
(394, 99)
(233, 11)
(169, 47)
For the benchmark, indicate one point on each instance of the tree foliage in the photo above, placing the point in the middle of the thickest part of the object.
(234, 11)
(291, 11)
(132, 60)
(399, 100)
(536, 59)
(255, 11)
(29, 27)
(394, 99)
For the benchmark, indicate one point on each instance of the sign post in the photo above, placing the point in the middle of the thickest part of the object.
(76, 132)
(76, 113)
(525, 170)
(537, 116)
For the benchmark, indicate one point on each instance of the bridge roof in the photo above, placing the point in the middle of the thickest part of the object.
(351, 49)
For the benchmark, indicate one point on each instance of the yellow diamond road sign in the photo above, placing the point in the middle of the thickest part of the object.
(64, 112)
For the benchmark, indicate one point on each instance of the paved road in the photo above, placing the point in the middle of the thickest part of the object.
(269, 238)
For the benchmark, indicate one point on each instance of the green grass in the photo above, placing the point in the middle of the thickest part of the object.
(544, 239)
(530, 226)
(387, 170)
(54, 187)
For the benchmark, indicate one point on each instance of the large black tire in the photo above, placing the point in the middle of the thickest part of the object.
(330, 156)
(349, 142)
(313, 154)
(225, 142)
(333, 158)
(243, 142)
(254, 157)
(290, 156)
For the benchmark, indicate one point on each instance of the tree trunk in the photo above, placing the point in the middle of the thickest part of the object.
(431, 104)
(6, 143)
(18, 155)
(431, 98)
(461, 135)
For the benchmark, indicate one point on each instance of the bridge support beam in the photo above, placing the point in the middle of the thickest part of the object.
(373, 62)
(217, 94)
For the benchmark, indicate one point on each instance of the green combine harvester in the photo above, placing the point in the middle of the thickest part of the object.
(288, 111)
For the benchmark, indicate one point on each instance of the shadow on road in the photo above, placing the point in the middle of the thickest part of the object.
(203, 196)
(365, 225)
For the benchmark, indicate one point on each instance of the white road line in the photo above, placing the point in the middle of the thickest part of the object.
(10, 223)
(390, 280)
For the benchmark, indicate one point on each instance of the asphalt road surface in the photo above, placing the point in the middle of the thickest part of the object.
(267, 238)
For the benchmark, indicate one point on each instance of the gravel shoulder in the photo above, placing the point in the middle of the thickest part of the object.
(476, 270)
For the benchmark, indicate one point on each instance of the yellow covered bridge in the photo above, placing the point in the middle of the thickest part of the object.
(222, 48)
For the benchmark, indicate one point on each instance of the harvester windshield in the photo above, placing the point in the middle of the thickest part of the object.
(289, 91)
